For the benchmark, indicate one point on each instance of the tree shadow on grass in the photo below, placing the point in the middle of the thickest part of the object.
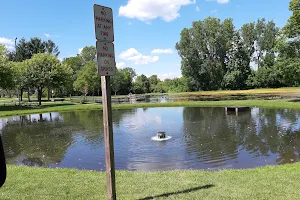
(179, 192)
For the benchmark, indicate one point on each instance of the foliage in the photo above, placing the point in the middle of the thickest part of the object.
(122, 82)
(88, 54)
(289, 71)
(6, 72)
(214, 55)
(46, 71)
(88, 78)
(203, 50)
(26, 49)
(141, 85)
(238, 68)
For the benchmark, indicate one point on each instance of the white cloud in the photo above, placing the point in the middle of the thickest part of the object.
(6, 41)
(220, 1)
(79, 50)
(197, 9)
(121, 65)
(162, 51)
(47, 35)
(135, 56)
(9, 47)
(147, 10)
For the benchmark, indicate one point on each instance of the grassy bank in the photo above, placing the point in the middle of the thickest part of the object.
(280, 182)
(60, 107)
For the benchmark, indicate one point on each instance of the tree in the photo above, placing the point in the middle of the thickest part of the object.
(88, 53)
(6, 72)
(19, 69)
(238, 68)
(176, 85)
(122, 82)
(289, 45)
(141, 84)
(203, 50)
(88, 77)
(46, 71)
(289, 71)
(259, 39)
(153, 80)
(76, 63)
(117, 81)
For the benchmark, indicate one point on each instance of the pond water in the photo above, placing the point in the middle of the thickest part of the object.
(202, 138)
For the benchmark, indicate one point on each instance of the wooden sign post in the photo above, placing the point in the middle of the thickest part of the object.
(104, 31)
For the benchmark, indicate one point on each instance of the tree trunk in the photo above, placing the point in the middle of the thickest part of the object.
(49, 94)
(21, 96)
(40, 96)
(28, 96)
(115, 93)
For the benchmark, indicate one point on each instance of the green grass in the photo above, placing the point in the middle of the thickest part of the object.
(61, 107)
(271, 182)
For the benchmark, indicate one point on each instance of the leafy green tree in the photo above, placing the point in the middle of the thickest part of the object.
(160, 87)
(289, 71)
(238, 65)
(76, 63)
(19, 69)
(177, 85)
(141, 84)
(88, 53)
(260, 39)
(122, 82)
(203, 50)
(45, 71)
(117, 81)
(266, 77)
(153, 80)
(6, 72)
(289, 44)
(88, 77)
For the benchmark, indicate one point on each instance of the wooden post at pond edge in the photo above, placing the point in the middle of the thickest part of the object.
(108, 138)
(103, 18)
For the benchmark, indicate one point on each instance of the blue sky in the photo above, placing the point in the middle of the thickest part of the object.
(146, 31)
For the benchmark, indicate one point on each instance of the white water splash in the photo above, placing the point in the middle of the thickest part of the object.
(155, 138)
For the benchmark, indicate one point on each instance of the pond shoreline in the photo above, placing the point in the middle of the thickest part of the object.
(269, 182)
(6, 111)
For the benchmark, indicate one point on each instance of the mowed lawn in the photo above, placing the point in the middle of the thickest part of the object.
(6, 111)
(271, 182)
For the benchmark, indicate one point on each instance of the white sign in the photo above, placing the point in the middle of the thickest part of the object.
(106, 58)
(104, 28)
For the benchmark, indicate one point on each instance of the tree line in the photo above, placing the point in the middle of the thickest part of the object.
(33, 68)
(215, 55)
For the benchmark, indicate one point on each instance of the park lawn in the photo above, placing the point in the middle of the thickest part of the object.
(278, 91)
(61, 107)
(270, 182)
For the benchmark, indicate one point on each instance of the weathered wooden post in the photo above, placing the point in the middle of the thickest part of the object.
(104, 31)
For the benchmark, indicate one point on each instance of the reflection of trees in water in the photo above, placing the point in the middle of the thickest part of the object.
(207, 134)
(33, 140)
(208, 131)
(42, 140)
(89, 124)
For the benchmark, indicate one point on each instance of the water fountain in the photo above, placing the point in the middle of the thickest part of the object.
(161, 136)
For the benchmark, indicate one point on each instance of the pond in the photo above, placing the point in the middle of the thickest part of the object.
(202, 138)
